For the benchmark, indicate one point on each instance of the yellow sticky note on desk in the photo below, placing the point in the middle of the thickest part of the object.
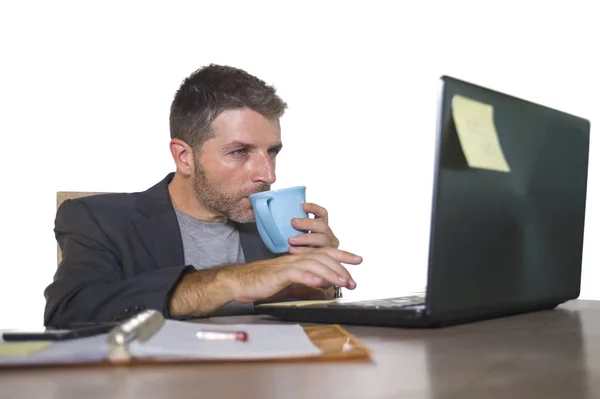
(477, 134)
(23, 348)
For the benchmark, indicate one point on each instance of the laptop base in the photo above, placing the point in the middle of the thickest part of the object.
(403, 318)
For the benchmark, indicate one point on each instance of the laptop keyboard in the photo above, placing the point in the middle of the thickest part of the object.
(404, 302)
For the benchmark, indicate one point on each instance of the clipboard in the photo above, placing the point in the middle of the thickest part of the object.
(121, 346)
(337, 343)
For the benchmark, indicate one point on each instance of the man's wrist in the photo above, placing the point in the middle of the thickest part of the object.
(225, 279)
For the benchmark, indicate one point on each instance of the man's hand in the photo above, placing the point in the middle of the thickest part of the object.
(308, 275)
(303, 292)
(320, 233)
(314, 268)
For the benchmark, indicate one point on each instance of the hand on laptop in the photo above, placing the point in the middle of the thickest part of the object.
(314, 268)
(303, 292)
(320, 233)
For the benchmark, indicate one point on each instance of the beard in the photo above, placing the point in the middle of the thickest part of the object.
(229, 205)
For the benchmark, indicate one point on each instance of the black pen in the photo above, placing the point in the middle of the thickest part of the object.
(57, 334)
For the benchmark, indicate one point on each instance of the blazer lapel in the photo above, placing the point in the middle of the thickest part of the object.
(252, 244)
(158, 226)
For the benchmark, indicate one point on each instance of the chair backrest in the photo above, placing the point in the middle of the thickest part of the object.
(62, 196)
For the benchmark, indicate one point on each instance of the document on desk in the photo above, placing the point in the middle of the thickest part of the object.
(82, 350)
(178, 340)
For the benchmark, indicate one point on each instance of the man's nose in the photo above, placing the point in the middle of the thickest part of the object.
(264, 171)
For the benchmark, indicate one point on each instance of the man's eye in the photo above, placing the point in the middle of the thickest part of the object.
(273, 152)
(238, 152)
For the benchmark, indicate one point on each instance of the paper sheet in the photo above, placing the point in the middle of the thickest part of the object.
(177, 339)
(477, 134)
(10, 349)
(88, 349)
(299, 303)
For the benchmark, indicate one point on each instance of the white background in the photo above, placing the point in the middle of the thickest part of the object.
(85, 93)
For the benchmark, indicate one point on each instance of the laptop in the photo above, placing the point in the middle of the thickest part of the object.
(507, 220)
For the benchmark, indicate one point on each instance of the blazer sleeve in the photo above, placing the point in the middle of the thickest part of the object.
(89, 285)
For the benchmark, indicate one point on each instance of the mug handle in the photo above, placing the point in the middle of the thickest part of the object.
(262, 205)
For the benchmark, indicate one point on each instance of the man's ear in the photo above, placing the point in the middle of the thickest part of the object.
(183, 156)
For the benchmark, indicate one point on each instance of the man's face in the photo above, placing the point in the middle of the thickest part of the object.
(237, 162)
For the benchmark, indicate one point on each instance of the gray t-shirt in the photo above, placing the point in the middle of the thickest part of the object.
(207, 245)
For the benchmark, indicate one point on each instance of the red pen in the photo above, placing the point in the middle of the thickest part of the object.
(213, 335)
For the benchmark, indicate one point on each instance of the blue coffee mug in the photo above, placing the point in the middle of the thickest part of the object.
(274, 211)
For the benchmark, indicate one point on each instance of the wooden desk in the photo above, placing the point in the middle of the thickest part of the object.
(552, 354)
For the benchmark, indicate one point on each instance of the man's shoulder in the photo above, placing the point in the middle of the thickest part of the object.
(118, 205)
(121, 205)
(108, 200)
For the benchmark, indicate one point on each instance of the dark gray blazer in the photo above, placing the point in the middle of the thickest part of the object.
(122, 253)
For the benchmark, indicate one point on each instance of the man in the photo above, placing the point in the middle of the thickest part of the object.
(189, 246)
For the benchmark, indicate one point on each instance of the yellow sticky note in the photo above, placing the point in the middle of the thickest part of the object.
(23, 348)
(298, 303)
(477, 134)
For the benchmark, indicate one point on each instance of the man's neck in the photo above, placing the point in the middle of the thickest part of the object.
(184, 199)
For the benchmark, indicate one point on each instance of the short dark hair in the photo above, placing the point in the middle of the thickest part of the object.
(209, 91)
